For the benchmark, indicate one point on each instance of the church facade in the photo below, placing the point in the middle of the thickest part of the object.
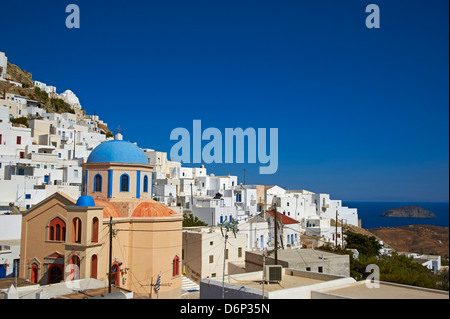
(64, 239)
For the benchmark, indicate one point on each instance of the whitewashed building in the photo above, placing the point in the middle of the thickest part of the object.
(204, 253)
(3, 65)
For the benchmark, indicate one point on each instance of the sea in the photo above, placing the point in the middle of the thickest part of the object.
(369, 213)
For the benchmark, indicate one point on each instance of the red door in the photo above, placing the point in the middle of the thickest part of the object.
(34, 273)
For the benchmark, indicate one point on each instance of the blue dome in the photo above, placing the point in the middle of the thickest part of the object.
(117, 151)
(85, 201)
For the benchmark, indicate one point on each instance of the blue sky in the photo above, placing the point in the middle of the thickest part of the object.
(362, 114)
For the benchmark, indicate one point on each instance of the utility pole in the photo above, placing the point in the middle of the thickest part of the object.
(192, 197)
(15, 274)
(110, 254)
(336, 239)
(74, 142)
(244, 176)
(275, 215)
(264, 273)
(228, 227)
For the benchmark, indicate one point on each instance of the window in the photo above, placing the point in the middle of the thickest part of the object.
(145, 184)
(308, 268)
(240, 252)
(97, 183)
(211, 243)
(94, 262)
(320, 269)
(115, 280)
(0, 138)
(176, 266)
(226, 253)
(76, 230)
(74, 268)
(95, 230)
(211, 259)
(57, 230)
(22, 154)
(27, 196)
(124, 183)
(19, 140)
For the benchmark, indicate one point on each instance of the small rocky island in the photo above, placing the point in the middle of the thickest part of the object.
(408, 212)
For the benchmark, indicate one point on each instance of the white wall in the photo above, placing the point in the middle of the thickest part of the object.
(10, 227)
(3, 64)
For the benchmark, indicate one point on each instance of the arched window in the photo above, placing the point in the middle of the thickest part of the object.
(34, 273)
(57, 230)
(94, 261)
(145, 184)
(95, 230)
(76, 230)
(51, 233)
(98, 183)
(176, 266)
(124, 183)
(74, 268)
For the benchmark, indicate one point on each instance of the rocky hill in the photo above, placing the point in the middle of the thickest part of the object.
(421, 239)
(408, 212)
(51, 103)
(18, 75)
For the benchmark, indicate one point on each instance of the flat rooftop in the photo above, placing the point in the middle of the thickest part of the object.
(255, 281)
(386, 290)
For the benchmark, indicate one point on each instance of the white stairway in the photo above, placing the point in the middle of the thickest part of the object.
(188, 285)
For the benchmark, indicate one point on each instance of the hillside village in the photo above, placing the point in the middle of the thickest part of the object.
(49, 143)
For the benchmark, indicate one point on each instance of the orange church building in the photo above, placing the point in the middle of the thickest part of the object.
(64, 239)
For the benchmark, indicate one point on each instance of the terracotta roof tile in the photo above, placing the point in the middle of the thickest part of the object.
(284, 218)
(109, 210)
(152, 209)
